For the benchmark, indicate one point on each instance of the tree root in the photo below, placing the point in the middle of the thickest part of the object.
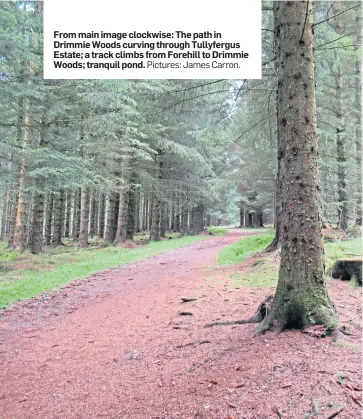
(260, 314)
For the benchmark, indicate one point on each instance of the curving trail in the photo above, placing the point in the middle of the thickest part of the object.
(114, 346)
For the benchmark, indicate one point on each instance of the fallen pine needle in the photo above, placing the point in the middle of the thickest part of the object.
(336, 413)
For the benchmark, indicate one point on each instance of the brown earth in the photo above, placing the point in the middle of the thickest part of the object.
(115, 346)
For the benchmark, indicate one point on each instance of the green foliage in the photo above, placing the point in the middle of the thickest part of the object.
(243, 249)
(29, 275)
(218, 231)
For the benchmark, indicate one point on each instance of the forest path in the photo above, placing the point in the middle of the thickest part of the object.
(92, 349)
(114, 346)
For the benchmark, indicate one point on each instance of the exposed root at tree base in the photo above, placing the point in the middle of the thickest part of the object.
(260, 314)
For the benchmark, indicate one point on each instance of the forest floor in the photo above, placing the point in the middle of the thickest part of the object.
(115, 345)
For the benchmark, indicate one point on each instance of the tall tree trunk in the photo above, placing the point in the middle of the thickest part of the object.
(155, 223)
(101, 215)
(20, 223)
(36, 233)
(259, 217)
(68, 220)
(137, 211)
(37, 227)
(341, 154)
(278, 180)
(130, 230)
(122, 215)
(145, 214)
(301, 297)
(250, 219)
(76, 214)
(184, 220)
(241, 217)
(111, 218)
(5, 213)
(93, 214)
(358, 114)
(83, 228)
(48, 219)
(58, 218)
(163, 219)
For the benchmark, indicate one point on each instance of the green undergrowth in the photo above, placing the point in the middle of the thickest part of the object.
(218, 231)
(25, 275)
(245, 248)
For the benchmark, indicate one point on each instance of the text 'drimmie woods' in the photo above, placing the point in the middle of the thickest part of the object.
(152, 40)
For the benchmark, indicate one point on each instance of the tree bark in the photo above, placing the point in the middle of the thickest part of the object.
(301, 297)
(163, 219)
(278, 181)
(83, 228)
(341, 154)
(58, 218)
(184, 220)
(68, 220)
(48, 219)
(358, 114)
(130, 229)
(122, 215)
(37, 227)
(155, 222)
(19, 242)
(259, 217)
(93, 214)
(111, 225)
(101, 215)
(77, 214)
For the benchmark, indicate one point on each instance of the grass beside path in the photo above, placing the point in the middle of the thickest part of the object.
(25, 275)
(243, 249)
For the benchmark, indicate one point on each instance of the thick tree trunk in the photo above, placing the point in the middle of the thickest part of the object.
(198, 219)
(241, 217)
(259, 217)
(278, 181)
(111, 218)
(250, 219)
(301, 297)
(122, 215)
(58, 219)
(37, 226)
(83, 228)
(184, 221)
(358, 114)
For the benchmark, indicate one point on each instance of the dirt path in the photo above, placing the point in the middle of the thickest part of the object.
(114, 346)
